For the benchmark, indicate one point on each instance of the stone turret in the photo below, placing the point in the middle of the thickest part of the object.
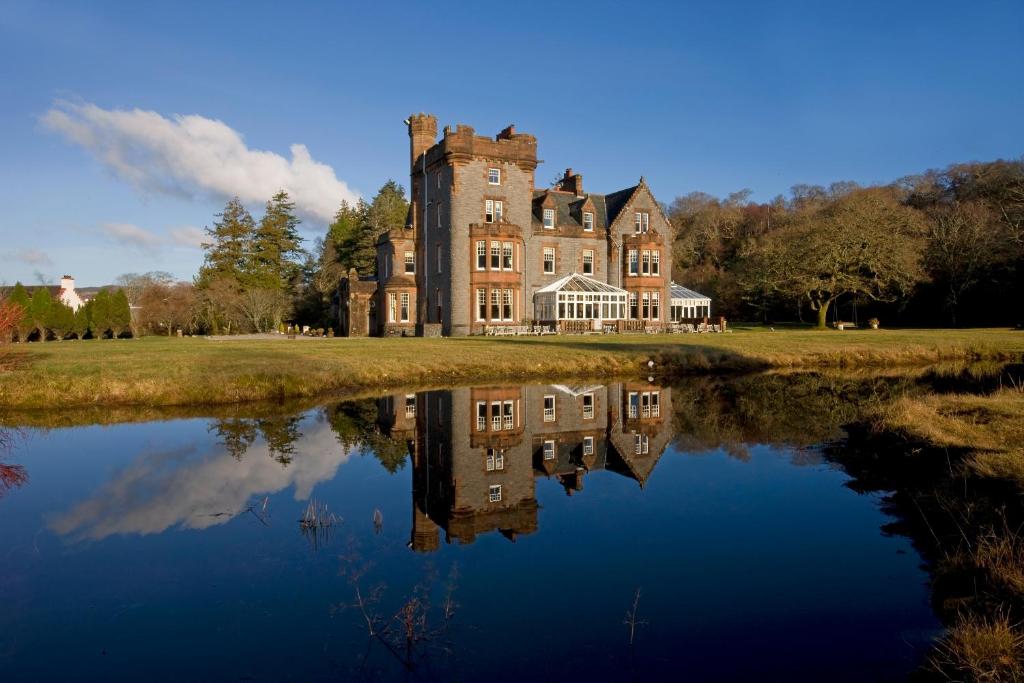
(422, 135)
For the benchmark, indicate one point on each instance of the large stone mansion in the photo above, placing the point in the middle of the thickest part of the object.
(485, 248)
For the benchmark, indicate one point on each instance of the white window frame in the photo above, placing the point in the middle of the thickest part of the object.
(488, 211)
(494, 493)
(392, 307)
(495, 304)
(507, 256)
(549, 219)
(403, 307)
(494, 176)
(481, 416)
(549, 413)
(481, 301)
(481, 255)
(499, 211)
(410, 407)
(495, 460)
(588, 410)
(410, 262)
(495, 262)
(588, 221)
(507, 307)
(549, 449)
(588, 253)
(645, 262)
(508, 415)
(549, 251)
(588, 445)
(655, 262)
(633, 263)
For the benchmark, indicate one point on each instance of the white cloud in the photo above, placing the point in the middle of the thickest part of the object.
(188, 236)
(132, 236)
(194, 156)
(189, 489)
(33, 257)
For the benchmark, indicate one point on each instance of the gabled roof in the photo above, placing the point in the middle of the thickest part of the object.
(569, 207)
(680, 292)
(580, 283)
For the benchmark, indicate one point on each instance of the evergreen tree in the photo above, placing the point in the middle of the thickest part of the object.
(276, 247)
(39, 309)
(99, 314)
(227, 252)
(120, 313)
(61, 319)
(80, 322)
(19, 295)
(355, 229)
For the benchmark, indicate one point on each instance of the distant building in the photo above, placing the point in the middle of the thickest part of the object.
(483, 246)
(65, 292)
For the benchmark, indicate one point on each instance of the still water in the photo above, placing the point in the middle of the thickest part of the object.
(616, 531)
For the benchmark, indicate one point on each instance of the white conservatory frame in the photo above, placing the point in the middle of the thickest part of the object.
(578, 297)
(686, 304)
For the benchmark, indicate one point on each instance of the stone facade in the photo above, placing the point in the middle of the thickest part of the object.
(482, 246)
(477, 453)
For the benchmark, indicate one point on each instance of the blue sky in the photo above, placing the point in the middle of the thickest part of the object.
(714, 96)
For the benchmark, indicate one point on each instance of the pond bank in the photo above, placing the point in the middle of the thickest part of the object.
(955, 465)
(169, 372)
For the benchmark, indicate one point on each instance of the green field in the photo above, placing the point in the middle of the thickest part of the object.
(158, 371)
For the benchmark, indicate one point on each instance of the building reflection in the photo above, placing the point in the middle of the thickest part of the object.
(477, 452)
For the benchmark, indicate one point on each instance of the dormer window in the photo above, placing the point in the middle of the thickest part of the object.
(494, 176)
(549, 219)
(588, 221)
(641, 222)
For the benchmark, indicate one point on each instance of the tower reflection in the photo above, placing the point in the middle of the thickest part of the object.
(477, 452)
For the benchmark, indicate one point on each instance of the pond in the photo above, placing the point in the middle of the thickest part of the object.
(617, 530)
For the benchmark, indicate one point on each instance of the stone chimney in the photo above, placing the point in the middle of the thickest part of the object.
(422, 135)
(507, 133)
(571, 182)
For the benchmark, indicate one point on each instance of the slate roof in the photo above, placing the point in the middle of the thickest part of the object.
(568, 207)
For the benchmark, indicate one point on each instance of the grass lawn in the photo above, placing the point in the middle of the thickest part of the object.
(191, 371)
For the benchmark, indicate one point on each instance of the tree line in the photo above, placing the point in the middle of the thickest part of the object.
(40, 317)
(945, 247)
(256, 274)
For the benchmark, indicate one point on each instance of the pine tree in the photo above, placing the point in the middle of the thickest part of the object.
(227, 252)
(60, 320)
(19, 295)
(39, 309)
(276, 252)
(120, 313)
(99, 314)
(80, 323)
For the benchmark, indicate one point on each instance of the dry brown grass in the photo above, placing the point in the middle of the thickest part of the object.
(988, 427)
(160, 371)
(981, 649)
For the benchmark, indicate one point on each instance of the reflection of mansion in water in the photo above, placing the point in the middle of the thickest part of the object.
(477, 453)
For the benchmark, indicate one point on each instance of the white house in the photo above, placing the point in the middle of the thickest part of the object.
(68, 295)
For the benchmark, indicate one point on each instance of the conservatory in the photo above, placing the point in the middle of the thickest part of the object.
(687, 304)
(579, 298)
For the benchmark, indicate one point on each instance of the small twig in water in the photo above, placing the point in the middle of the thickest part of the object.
(631, 617)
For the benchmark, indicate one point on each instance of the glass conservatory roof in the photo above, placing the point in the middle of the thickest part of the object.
(680, 292)
(580, 283)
